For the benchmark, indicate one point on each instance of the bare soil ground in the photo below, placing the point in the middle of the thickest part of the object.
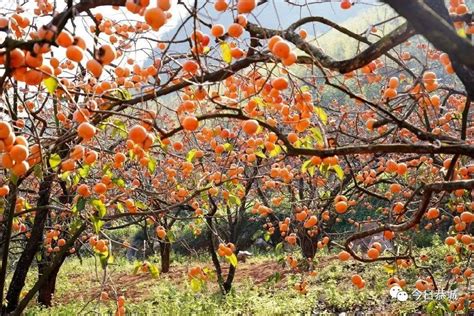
(136, 286)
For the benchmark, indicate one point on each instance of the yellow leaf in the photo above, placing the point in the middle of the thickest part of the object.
(390, 269)
(339, 171)
(232, 259)
(196, 284)
(259, 101)
(51, 84)
(322, 114)
(225, 50)
(462, 32)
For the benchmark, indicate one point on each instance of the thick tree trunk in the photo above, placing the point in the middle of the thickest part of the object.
(46, 292)
(32, 246)
(308, 245)
(165, 251)
(230, 278)
(212, 252)
(55, 265)
(6, 241)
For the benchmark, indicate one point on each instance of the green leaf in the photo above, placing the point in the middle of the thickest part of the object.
(75, 179)
(102, 126)
(153, 270)
(120, 129)
(106, 170)
(84, 171)
(430, 306)
(307, 141)
(323, 168)
(234, 200)
(257, 234)
(225, 52)
(141, 205)
(266, 237)
(311, 170)
(38, 171)
(274, 278)
(190, 155)
(260, 154)
(54, 161)
(279, 247)
(317, 135)
(97, 223)
(305, 165)
(170, 236)
(120, 207)
(275, 152)
(51, 84)
(75, 225)
(322, 114)
(103, 260)
(121, 94)
(65, 175)
(232, 259)
(136, 267)
(119, 182)
(99, 206)
(339, 171)
(325, 194)
(81, 204)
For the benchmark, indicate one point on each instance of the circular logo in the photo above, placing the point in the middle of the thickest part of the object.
(402, 296)
(394, 291)
(397, 292)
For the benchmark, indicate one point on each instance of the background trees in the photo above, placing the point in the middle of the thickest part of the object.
(231, 116)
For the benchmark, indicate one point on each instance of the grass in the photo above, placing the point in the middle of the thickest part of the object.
(257, 289)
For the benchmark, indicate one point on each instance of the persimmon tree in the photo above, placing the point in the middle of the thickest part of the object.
(226, 118)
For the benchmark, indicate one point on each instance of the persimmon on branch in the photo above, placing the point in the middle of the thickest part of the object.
(408, 131)
(374, 51)
(463, 149)
(43, 279)
(316, 55)
(428, 190)
(59, 22)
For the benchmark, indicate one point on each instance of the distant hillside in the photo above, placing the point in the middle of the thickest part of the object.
(341, 46)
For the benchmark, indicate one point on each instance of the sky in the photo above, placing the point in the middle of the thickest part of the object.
(273, 14)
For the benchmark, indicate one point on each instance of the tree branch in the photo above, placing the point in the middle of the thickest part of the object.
(436, 29)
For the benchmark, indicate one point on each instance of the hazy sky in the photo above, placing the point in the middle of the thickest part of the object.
(273, 14)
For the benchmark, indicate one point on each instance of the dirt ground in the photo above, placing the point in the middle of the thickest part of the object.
(136, 286)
